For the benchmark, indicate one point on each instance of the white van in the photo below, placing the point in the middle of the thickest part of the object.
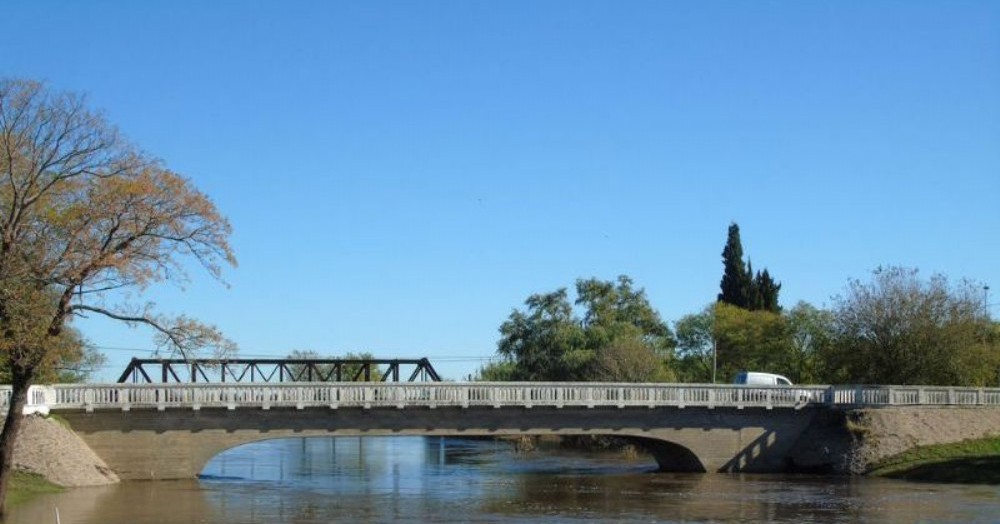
(754, 378)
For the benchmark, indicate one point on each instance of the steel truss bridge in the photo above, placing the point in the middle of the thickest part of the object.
(242, 370)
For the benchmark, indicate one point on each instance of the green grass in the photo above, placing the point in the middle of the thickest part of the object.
(24, 486)
(58, 420)
(969, 461)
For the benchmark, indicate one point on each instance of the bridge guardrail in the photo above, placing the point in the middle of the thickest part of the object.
(914, 395)
(486, 394)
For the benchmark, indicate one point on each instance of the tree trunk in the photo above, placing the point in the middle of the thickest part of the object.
(20, 380)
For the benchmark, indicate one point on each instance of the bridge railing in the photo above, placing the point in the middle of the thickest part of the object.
(486, 394)
(914, 395)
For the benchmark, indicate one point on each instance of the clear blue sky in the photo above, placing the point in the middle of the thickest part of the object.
(401, 175)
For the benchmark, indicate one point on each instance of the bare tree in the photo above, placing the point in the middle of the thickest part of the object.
(84, 216)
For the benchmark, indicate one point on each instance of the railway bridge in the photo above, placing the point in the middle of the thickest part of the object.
(170, 431)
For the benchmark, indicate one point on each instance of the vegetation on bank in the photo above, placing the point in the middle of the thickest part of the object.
(969, 461)
(25, 486)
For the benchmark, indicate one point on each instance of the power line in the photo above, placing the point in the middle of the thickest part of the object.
(282, 354)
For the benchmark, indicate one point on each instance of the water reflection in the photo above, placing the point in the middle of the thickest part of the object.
(413, 479)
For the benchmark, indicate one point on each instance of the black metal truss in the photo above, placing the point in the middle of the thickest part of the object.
(275, 370)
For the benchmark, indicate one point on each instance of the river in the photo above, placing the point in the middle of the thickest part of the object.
(415, 479)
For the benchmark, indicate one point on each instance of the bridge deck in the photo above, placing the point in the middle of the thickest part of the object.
(335, 395)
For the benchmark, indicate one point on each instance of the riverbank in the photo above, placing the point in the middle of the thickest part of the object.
(24, 486)
(873, 439)
(966, 462)
(627, 449)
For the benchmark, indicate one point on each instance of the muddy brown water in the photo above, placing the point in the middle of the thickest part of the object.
(415, 479)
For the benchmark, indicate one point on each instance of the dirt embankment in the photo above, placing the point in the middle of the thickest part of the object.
(51, 450)
(855, 442)
(882, 433)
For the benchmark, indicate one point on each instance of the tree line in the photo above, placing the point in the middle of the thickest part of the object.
(896, 327)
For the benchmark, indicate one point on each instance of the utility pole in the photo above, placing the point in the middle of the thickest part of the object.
(715, 360)
(986, 301)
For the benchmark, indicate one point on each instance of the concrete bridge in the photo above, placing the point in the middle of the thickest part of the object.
(172, 431)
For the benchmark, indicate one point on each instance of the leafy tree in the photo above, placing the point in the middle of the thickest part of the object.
(78, 367)
(72, 360)
(301, 371)
(545, 342)
(498, 371)
(629, 359)
(696, 346)
(620, 335)
(901, 329)
(24, 326)
(84, 216)
(787, 343)
(764, 293)
(750, 340)
(616, 310)
(347, 371)
(810, 332)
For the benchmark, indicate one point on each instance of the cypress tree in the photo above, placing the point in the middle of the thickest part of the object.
(754, 299)
(742, 287)
(736, 283)
(766, 290)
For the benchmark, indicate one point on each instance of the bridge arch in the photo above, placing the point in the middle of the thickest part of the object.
(671, 456)
(178, 443)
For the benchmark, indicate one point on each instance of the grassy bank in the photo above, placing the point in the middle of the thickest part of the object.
(970, 461)
(24, 486)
